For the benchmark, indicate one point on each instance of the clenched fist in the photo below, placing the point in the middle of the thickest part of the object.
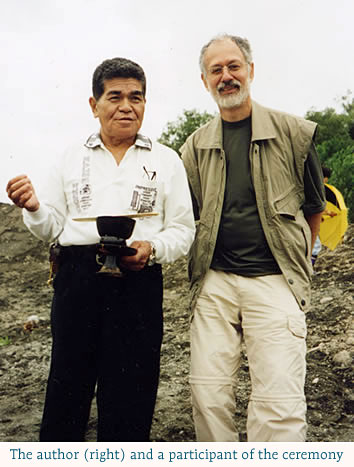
(21, 192)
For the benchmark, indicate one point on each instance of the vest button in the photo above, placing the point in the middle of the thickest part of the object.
(303, 302)
(291, 281)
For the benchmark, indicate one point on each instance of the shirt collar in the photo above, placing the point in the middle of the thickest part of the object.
(141, 141)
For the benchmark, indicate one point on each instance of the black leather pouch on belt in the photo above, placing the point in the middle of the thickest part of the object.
(54, 253)
(60, 254)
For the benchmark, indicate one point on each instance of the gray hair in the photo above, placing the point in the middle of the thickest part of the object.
(242, 43)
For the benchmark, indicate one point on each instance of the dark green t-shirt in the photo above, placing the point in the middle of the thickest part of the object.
(241, 246)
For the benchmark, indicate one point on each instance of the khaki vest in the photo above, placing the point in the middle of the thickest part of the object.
(279, 147)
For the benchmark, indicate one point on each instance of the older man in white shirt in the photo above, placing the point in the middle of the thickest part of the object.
(108, 330)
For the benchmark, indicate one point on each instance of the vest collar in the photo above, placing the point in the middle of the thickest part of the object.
(262, 124)
(262, 128)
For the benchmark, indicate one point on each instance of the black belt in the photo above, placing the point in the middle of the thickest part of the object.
(89, 253)
(59, 254)
(78, 251)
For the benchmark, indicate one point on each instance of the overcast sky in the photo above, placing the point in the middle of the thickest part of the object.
(303, 54)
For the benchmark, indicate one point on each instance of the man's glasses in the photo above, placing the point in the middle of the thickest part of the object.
(231, 68)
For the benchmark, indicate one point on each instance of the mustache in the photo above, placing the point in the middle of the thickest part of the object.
(234, 83)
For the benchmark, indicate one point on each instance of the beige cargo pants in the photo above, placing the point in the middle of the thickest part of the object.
(263, 312)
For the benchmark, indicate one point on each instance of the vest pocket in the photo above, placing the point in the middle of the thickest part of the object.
(288, 203)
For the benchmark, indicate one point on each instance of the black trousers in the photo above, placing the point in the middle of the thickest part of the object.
(106, 330)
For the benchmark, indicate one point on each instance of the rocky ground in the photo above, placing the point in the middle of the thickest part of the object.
(25, 344)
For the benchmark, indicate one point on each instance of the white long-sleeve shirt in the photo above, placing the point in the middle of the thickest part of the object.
(87, 182)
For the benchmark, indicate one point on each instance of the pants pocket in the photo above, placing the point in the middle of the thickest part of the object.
(297, 326)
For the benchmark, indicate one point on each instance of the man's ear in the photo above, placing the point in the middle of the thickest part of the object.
(204, 81)
(252, 71)
(93, 105)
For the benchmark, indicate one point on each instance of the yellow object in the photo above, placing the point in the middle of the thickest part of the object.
(335, 218)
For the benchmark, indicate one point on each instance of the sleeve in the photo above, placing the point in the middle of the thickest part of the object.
(48, 222)
(178, 231)
(315, 199)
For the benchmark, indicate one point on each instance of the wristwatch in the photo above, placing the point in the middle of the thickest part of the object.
(152, 258)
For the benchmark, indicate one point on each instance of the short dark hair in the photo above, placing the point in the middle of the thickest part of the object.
(327, 172)
(116, 68)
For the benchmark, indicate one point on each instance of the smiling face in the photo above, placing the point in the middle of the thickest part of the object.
(120, 109)
(227, 75)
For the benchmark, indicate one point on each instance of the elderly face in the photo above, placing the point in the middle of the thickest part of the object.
(227, 75)
(120, 109)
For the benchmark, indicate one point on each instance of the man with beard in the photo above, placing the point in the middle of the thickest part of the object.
(258, 195)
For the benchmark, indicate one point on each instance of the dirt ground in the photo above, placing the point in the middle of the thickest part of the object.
(25, 345)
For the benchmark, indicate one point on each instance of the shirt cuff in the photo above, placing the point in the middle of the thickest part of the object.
(36, 217)
(160, 249)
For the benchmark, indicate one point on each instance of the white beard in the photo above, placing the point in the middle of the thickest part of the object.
(233, 100)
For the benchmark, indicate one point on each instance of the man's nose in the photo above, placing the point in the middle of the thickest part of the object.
(124, 105)
(226, 75)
